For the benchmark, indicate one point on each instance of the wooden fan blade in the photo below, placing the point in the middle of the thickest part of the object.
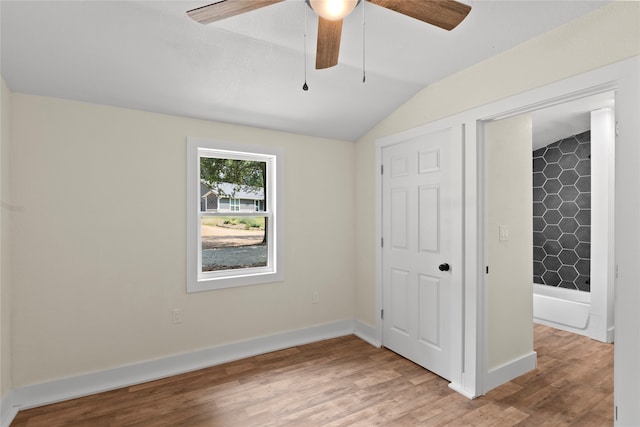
(446, 14)
(226, 9)
(328, 47)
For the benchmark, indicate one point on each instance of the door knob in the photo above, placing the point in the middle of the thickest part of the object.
(444, 267)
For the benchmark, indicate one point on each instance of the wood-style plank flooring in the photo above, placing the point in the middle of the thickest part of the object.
(347, 382)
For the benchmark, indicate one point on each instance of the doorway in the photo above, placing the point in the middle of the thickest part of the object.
(573, 205)
(508, 232)
(571, 150)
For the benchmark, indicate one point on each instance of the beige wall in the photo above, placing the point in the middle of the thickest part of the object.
(5, 272)
(603, 37)
(510, 250)
(99, 239)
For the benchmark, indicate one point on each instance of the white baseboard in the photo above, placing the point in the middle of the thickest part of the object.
(366, 333)
(8, 409)
(510, 370)
(462, 391)
(124, 376)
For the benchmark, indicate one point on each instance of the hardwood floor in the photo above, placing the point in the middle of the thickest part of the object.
(347, 382)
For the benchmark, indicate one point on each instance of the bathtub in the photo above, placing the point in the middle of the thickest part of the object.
(561, 308)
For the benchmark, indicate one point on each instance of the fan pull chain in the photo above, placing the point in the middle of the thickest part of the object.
(305, 86)
(364, 75)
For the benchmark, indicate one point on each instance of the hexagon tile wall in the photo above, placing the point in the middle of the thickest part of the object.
(562, 213)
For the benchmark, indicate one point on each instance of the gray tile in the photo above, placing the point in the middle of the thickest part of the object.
(568, 161)
(552, 247)
(568, 177)
(583, 200)
(538, 164)
(551, 263)
(562, 185)
(583, 184)
(568, 273)
(584, 217)
(551, 278)
(583, 233)
(552, 216)
(539, 152)
(568, 225)
(552, 170)
(552, 186)
(584, 167)
(552, 232)
(568, 257)
(552, 155)
(568, 193)
(584, 267)
(552, 201)
(568, 145)
(568, 241)
(584, 250)
(568, 209)
(583, 151)
(583, 283)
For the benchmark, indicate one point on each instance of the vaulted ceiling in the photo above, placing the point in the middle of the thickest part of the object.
(249, 69)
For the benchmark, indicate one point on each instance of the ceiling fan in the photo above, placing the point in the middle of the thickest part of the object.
(446, 14)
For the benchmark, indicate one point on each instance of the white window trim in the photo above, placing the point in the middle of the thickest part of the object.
(274, 272)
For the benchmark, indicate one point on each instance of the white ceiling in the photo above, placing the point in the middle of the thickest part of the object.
(249, 69)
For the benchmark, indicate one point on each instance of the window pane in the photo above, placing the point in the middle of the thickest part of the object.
(233, 242)
(231, 185)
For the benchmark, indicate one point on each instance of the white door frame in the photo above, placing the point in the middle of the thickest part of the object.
(472, 370)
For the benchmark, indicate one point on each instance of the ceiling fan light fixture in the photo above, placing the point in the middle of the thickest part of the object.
(333, 10)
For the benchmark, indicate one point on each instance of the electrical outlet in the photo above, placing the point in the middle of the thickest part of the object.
(315, 297)
(177, 315)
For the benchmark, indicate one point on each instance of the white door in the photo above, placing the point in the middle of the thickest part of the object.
(421, 214)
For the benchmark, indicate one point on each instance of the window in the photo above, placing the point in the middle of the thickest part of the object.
(234, 236)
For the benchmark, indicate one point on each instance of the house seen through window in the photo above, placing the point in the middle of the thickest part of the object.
(234, 228)
(229, 187)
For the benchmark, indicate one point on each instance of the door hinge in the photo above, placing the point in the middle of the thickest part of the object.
(381, 169)
(617, 128)
(616, 413)
(487, 269)
(382, 314)
(382, 242)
